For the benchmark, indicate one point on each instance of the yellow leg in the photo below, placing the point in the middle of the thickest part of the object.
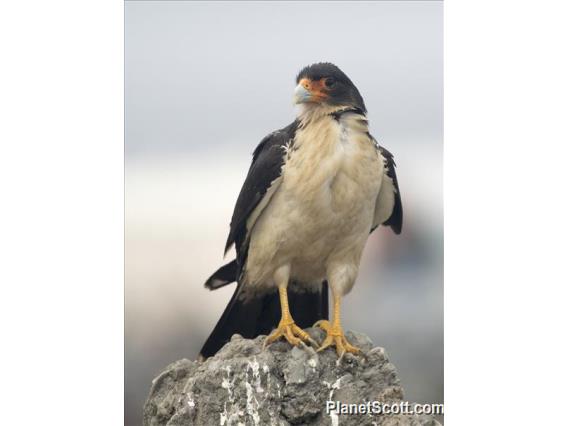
(287, 328)
(335, 335)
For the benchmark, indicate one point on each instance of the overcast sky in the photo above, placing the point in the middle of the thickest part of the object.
(202, 77)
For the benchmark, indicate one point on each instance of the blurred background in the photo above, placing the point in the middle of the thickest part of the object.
(204, 83)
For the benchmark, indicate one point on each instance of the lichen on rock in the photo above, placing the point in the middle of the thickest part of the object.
(244, 384)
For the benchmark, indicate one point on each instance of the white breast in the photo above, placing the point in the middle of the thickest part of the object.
(323, 209)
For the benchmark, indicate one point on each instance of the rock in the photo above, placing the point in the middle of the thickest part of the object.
(244, 384)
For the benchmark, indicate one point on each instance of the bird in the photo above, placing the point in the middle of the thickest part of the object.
(315, 190)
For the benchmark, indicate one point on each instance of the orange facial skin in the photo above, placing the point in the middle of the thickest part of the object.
(317, 89)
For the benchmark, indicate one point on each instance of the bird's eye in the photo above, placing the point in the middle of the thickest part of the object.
(329, 82)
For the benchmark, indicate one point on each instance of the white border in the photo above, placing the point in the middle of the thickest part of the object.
(61, 214)
(505, 185)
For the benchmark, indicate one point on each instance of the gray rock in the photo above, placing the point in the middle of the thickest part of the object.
(244, 384)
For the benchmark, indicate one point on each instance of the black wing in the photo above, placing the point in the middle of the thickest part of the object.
(260, 314)
(395, 219)
(268, 159)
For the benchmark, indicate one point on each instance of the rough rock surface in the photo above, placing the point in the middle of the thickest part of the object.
(244, 384)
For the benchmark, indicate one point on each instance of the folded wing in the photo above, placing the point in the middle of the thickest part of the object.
(388, 207)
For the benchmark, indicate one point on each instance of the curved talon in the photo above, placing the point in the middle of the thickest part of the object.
(335, 336)
(292, 333)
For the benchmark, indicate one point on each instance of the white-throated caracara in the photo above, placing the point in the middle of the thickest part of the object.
(314, 192)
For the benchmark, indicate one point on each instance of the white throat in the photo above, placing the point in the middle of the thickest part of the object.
(311, 112)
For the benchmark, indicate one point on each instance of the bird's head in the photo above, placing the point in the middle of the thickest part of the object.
(325, 84)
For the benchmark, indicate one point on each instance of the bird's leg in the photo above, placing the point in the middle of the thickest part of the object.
(287, 328)
(335, 335)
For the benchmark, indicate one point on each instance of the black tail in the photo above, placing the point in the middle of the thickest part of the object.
(261, 315)
(226, 274)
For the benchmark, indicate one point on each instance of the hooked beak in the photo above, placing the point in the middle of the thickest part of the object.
(310, 91)
(301, 94)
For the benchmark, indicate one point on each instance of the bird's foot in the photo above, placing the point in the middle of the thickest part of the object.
(291, 332)
(335, 337)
